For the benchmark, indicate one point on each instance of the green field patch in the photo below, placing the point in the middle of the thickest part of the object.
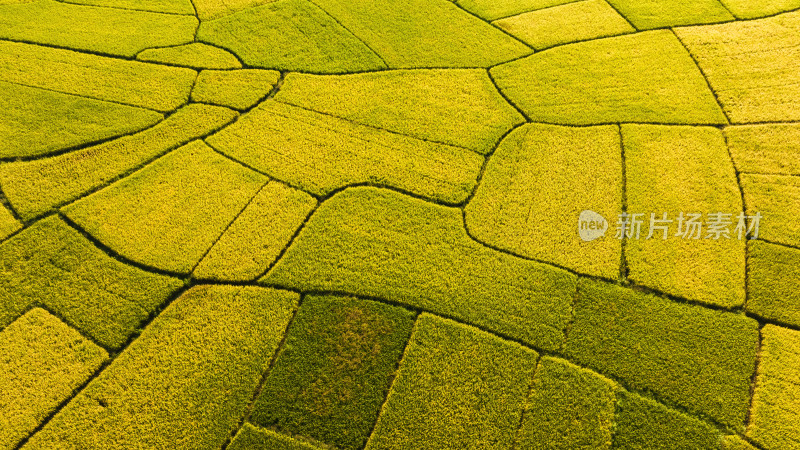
(684, 170)
(424, 33)
(185, 382)
(43, 360)
(255, 239)
(35, 122)
(170, 213)
(777, 199)
(569, 408)
(8, 224)
(643, 77)
(572, 22)
(128, 82)
(196, 55)
(734, 442)
(50, 263)
(773, 282)
(36, 187)
(648, 14)
(769, 148)
(775, 414)
(751, 65)
(290, 35)
(496, 9)
(748, 9)
(331, 377)
(455, 107)
(113, 31)
(457, 387)
(237, 89)
(255, 438)
(644, 424)
(534, 188)
(319, 154)
(163, 6)
(214, 9)
(698, 358)
(379, 243)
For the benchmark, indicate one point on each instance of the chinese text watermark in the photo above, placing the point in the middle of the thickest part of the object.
(715, 226)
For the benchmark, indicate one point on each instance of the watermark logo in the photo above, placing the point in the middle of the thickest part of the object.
(591, 225)
(718, 225)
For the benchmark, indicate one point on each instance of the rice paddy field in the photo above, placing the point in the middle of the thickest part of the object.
(399, 224)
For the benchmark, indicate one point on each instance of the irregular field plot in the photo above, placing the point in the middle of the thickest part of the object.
(42, 361)
(472, 398)
(752, 66)
(677, 170)
(185, 381)
(331, 379)
(572, 22)
(521, 204)
(618, 79)
(776, 400)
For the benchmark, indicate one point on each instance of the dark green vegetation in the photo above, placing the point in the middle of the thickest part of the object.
(184, 382)
(331, 377)
(378, 243)
(469, 398)
(772, 275)
(695, 357)
(51, 264)
(42, 361)
(644, 424)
